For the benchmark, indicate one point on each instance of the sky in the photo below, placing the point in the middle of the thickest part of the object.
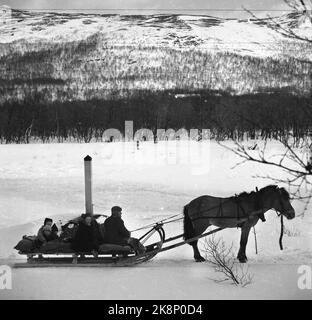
(222, 8)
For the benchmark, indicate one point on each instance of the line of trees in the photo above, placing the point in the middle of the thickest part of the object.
(262, 115)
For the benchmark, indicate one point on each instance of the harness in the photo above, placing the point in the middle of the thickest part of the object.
(241, 213)
(259, 203)
(259, 206)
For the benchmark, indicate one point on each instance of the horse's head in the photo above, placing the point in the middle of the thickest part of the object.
(281, 203)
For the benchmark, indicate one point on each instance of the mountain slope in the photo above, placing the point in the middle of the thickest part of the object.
(61, 56)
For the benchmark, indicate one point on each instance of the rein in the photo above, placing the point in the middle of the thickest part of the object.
(280, 241)
(220, 212)
(162, 222)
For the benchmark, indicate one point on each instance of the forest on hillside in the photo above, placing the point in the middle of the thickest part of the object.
(96, 68)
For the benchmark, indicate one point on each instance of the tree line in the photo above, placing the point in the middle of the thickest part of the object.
(263, 115)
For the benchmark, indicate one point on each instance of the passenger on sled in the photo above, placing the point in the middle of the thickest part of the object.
(115, 232)
(48, 232)
(86, 238)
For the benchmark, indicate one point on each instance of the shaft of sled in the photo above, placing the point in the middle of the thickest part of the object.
(191, 239)
(88, 184)
(147, 236)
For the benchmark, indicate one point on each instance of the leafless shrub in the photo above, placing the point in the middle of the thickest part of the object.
(223, 260)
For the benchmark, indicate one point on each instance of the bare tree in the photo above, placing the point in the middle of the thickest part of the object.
(223, 260)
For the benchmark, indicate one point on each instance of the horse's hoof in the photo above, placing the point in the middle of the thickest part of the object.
(199, 259)
(242, 260)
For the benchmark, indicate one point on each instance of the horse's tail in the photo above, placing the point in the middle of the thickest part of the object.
(187, 225)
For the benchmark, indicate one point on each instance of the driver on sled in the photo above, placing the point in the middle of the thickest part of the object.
(115, 232)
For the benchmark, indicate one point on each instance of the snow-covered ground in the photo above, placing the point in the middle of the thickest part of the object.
(150, 184)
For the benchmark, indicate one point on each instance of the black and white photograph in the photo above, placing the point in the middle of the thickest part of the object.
(156, 151)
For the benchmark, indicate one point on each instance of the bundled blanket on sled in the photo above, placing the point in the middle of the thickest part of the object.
(29, 244)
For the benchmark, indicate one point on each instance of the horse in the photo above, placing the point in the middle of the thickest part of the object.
(240, 211)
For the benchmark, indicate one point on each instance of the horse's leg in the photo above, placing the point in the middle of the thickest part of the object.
(191, 232)
(197, 256)
(243, 242)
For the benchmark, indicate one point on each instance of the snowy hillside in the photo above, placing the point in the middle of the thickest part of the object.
(63, 56)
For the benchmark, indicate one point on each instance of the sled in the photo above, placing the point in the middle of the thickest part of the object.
(111, 256)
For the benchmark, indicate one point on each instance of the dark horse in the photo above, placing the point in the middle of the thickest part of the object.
(243, 210)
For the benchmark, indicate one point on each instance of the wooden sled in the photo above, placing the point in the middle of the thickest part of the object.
(113, 256)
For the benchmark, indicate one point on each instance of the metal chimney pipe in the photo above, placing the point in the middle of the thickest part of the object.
(88, 184)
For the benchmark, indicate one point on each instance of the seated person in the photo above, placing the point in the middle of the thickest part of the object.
(115, 232)
(46, 233)
(86, 239)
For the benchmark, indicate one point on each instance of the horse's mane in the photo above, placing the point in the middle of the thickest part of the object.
(272, 187)
(282, 190)
(285, 193)
(245, 194)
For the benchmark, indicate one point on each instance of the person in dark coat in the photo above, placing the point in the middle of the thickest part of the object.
(85, 239)
(115, 232)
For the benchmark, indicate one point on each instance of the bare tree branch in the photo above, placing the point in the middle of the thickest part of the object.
(223, 260)
(299, 6)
